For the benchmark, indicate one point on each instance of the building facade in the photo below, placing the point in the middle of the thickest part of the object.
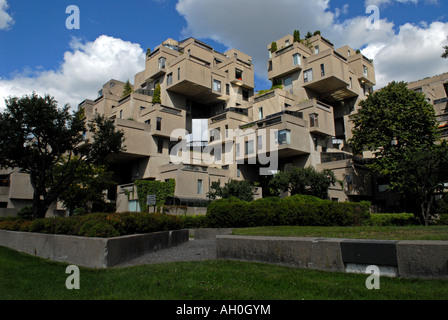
(211, 125)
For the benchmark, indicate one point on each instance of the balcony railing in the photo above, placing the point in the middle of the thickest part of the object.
(327, 157)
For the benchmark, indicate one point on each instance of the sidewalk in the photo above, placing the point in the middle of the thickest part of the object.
(193, 250)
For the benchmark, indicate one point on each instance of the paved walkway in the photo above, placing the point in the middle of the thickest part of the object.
(193, 250)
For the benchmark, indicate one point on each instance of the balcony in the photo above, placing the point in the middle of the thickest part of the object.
(288, 60)
(327, 74)
(136, 133)
(285, 132)
(364, 68)
(319, 116)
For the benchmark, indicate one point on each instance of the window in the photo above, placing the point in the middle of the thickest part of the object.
(218, 154)
(296, 59)
(171, 145)
(121, 114)
(287, 82)
(308, 75)
(316, 49)
(4, 181)
(351, 83)
(245, 95)
(199, 186)
(237, 150)
(314, 120)
(283, 137)
(249, 147)
(227, 130)
(238, 74)
(238, 172)
(259, 142)
(178, 73)
(270, 66)
(160, 146)
(287, 105)
(365, 71)
(159, 124)
(260, 113)
(169, 79)
(217, 85)
(287, 43)
(270, 54)
(322, 70)
(162, 63)
(148, 121)
(227, 89)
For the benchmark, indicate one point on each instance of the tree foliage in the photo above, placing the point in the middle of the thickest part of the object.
(51, 143)
(243, 190)
(296, 36)
(156, 98)
(399, 127)
(127, 89)
(304, 181)
(274, 47)
(445, 54)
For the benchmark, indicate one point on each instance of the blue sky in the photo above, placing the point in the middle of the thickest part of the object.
(38, 52)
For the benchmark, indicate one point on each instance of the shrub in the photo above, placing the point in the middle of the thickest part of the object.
(296, 210)
(392, 219)
(11, 225)
(194, 222)
(100, 229)
(26, 213)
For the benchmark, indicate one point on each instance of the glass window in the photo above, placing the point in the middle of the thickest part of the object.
(260, 113)
(245, 95)
(316, 49)
(199, 186)
(283, 137)
(308, 75)
(162, 63)
(237, 150)
(365, 71)
(217, 85)
(169, 79)
(314, 120)
(160, 146)
(227, 89)
(249, 147)
(159, 124)
(287, 82)
(238, 74)
(296, 58)
(322, 70)
(260, 142)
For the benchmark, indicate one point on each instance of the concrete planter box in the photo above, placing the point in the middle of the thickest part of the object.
(91, 252)
(407, 259)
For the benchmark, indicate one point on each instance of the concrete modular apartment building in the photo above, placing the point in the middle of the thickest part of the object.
(306, 120)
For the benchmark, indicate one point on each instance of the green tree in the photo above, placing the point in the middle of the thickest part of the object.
(87, 186)
(296, 36)
(127, 89)
(274, 47)
(36, 135)
(304, 181)
(399, 126)
(243, 190)
(156, 95)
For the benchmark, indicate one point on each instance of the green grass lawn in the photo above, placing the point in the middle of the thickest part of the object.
(378, 233)
(25, 277)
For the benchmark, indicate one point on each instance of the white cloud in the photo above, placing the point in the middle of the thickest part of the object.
(6, 20)
(407, 52)
(83, 72)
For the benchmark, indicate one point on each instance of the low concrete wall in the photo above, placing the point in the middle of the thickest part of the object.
(91, 252)
(411, 259)
(210, 233)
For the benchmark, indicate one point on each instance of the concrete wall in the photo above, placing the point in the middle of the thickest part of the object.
(407, 259)
(91, 252)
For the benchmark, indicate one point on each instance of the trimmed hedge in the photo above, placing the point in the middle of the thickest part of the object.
(295, 210)
(100, 225)
(392, 219)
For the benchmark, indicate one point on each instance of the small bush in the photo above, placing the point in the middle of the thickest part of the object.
(26, 213)
(194, 222)
(392, 219)
(100, 229)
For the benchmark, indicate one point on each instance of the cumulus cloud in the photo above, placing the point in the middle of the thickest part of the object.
(408, 52)
(85, 68)
(6, 21)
